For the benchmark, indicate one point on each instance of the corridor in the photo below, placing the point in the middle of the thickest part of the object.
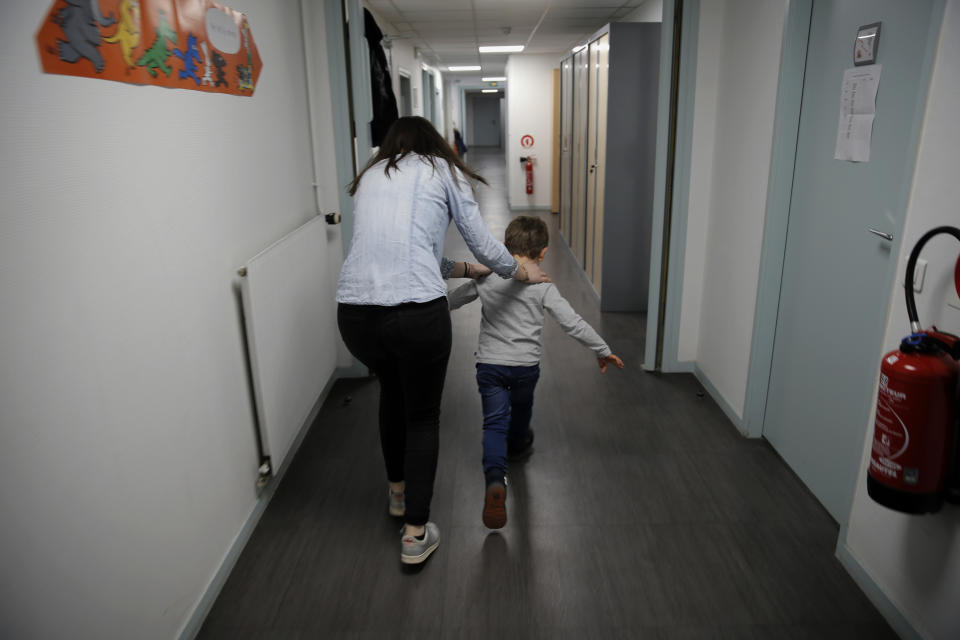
(641, 514)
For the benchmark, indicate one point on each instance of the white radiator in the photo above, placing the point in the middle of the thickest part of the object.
(291, 326)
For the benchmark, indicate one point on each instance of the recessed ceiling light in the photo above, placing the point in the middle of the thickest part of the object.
(489, 91)
(468, 68)
(510, 48)
(497, 79)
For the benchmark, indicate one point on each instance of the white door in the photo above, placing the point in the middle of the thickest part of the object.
(593, 115)
(486, 120)
(837, 275)
(602, 68)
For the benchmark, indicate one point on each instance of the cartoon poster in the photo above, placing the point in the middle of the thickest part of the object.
(182, 44)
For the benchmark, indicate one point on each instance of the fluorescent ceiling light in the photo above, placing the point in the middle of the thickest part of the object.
(498, 79)
(469, 68)
(489, 91)
(580, 48)
(510, 48)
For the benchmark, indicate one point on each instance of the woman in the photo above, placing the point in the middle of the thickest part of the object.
(392, 310)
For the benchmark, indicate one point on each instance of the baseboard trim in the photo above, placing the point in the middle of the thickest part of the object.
(737, 421)
(682, 367)
(215, 586)
(887, 608)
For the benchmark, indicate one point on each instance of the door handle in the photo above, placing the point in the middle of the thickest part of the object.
(885, 236)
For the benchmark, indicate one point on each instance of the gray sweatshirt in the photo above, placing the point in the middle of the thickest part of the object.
(512, 320)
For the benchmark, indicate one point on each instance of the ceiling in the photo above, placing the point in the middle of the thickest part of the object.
(448, 32)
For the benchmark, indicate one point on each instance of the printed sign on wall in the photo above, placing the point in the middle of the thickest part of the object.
(182, 44)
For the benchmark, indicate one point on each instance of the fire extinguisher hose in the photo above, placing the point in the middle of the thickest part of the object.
(911, 266)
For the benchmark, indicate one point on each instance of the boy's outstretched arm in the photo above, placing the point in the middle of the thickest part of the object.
(577, 328)
(462, 295)
(610, 359)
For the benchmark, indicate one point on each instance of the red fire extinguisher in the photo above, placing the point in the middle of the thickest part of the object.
(913, 461)
(528, 171)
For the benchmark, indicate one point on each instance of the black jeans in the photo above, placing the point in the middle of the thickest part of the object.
(407, 347)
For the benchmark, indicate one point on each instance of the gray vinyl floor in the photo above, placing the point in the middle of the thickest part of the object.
(641, 514)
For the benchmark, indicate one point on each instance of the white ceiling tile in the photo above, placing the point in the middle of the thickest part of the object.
(449, 30)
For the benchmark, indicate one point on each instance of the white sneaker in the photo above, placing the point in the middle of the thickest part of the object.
(414, 551)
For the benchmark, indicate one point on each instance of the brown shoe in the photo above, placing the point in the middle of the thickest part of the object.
(495, 506)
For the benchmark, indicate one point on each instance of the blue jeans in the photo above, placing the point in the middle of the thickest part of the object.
(506, 394)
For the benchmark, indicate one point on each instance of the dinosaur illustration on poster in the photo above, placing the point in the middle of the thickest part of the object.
(79, 20)
(220, 63)
(128, 30)
(207, 66)
(190, 57)
(245, 71)
(158, 53)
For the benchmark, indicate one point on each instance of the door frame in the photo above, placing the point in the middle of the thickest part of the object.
(674, 155)
(786, 128)
(403, 74)
(348, 91)
(350, 102)
(776, 217)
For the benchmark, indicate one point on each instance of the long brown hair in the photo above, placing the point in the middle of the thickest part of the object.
(413, 134)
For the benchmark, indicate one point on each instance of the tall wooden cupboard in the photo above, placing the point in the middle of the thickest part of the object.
(608, 137)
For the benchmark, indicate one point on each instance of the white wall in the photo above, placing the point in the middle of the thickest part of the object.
(649, 11)
(529, 98)
(127, 441)
(740, 60)
(452, 109)
(915, 560)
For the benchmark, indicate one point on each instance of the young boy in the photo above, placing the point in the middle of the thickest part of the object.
(508, 356)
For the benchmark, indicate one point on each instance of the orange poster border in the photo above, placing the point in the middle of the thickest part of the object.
(148, 42)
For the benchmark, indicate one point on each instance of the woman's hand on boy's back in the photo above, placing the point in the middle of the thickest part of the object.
(610, 359)
(530, 272)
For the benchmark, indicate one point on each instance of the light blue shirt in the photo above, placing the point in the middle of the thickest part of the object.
(399, 228)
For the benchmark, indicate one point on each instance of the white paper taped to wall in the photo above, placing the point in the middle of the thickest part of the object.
(858, 106)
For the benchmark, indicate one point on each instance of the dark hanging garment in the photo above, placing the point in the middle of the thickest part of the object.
(458, 143)
(384, 101)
